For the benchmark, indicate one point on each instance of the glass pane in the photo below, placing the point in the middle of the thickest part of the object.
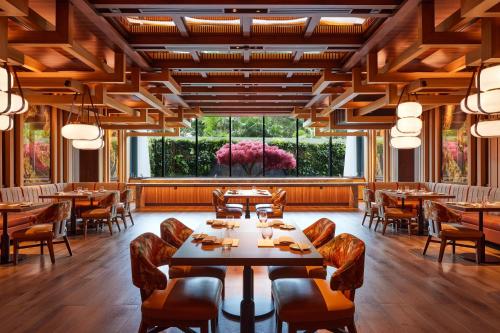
(454, 145)
(113, 155)
(213, 138)
(313, 153)
(37, 145)
(379, 163)
(280, 137)
(180, 153)
(246, 150)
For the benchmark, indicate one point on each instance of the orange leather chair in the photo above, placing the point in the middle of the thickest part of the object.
(180, 302)
(371, 208)
(123, 208)
(390, 213)
(106, 213)
(277, 208)
(223, 209)
(313, 304)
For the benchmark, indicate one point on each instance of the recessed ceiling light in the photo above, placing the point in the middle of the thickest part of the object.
(342, 20)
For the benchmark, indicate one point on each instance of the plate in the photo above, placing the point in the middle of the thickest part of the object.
(303, 247)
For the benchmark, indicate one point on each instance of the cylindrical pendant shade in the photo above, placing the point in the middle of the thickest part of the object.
(490, 78)
(489, 102)
(409, 125)
(16, 102)
(396, 134)
(409, 109)
(77, 131)
(4, 75)
(490, 128)
(88, 144)
(406, 142)
(6, 123)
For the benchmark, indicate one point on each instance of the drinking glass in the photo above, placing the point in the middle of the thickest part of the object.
(262, 215)
(101, 188)
(79, 189)
(267, 232)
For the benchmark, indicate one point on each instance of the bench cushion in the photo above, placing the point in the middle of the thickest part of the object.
(11, 194)
(31, 193)
(478, 194)
(460, 193)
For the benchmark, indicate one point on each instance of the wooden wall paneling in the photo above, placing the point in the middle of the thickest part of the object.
(2, 151)
(482, 162)
(437, 142)
(106, 153)
(89, 166)
(54, 147)
(387, 156)
(426, 150)
(494, 166)
(472, 158)
(18, 150)
(8, 158)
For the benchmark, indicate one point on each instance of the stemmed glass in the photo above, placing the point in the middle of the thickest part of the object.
(262, 215)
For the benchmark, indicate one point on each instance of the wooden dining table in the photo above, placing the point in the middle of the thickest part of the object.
(480, 208)
(5, 209)
(246, 254)
(247, 195)
(420, 196)
(74, 196)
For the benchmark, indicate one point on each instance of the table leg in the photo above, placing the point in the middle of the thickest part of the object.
(73, 217)
(247, 211)
(247, 323)
(420, 217)
(5, 241)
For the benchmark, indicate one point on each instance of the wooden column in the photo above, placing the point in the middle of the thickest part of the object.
(387, 156)
(18, 150)
(106, 153)
(54, 147)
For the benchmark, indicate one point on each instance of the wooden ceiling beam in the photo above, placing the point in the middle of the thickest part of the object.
(253, 98)
(352, 116)
(437, 85)
(141, 118)
(243, 104)
(477, 8)
(14, 7)
(490, 47)
(327, 133)
(54, 83)
(412, 52)
(246, 25)
(279, 65)
(311, 25)
(316, 99)
(241, 90)
(167, 132)
(181, 25)
(240, 79)
(328, 78)
(165, 78)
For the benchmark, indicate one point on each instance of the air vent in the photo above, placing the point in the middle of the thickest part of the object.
(245, 47)
(181, 11)
(245, 10)
(308, 11)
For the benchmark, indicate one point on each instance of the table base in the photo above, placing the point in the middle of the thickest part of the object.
(488, 258)
(264, 307)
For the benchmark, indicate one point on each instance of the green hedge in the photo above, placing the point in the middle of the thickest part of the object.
(180, 156)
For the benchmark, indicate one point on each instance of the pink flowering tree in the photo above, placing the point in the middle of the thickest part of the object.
(248, 154)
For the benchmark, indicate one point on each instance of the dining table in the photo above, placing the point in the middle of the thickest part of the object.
(480, 208)
(420, 196)
(74, 196)
(247, 253)
(247, 195)
(13, 207)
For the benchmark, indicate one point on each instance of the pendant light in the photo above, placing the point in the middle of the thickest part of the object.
(11, 103)
(404, 135)
(6, 122)
(486, 129)
(83, 127)
(396, 134)
(406, 142)
(88, 144)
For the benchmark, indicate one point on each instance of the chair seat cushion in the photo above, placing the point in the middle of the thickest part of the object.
(489, 221)
(84, 203)
(96, 213)
(218, 272)
(263, 206)
(458, 230)
(120, 208)
(42, 230)
(283, 272)
(185, 299)
(234, 206)
(308, 300)
(399, 213)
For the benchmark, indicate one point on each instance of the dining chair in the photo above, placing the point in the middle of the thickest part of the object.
(274, 196)
(277, 208)
(371, 208)
(123, 207)
(389, 212)
(223, 209)
(320, 234)
(180, 302)
(49, 226)
(312, 304)
(445, 225)
(175, 233)
(105, 213)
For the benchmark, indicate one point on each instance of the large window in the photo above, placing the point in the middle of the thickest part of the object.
(260, 146)
(379, 155)
(36, 133)
(113, 155)
(454, 145)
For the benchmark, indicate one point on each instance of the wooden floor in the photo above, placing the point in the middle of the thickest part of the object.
(403, 291)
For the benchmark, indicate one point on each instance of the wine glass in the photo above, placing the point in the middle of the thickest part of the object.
(267, 232)
(262, 215)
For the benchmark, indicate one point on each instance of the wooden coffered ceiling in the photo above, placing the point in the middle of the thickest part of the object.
(156, 63)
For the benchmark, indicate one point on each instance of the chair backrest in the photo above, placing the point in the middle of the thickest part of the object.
(147, 253)
(383, 201)
(126, 198)
(368, 198)
(275, 194)
(57, 214)
(280, 200)
(436, 213)
(320, 232)
(218, 200)
(174, 232)
(110, 202)
(347, 253)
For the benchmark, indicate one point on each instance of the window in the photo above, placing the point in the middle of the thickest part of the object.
(36, 133)
(179, 153)
(454, 145)
(247, 147)
(213, 135)
(379, 156)
(113, 155)
(281, 133)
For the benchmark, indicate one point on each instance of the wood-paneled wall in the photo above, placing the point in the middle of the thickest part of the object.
(493, 162)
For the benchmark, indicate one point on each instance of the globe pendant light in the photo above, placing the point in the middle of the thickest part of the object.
(406, 142)
(6, 123)
(409, 125)
(409, 109)
(486, 129)
(82, 127)
(489, 79)
(11, 103)
(484, 102)
(88, 144)
(396, 134)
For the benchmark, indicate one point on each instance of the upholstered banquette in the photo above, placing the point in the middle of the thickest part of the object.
(18, 221)
(462, 193)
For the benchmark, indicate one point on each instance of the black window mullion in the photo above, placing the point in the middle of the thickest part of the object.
(330, 157)
(196, 149)
(297, 159)
(230, 147)
(163, 164)
(263, 146)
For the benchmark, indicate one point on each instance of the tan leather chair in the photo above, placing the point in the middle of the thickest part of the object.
(320, 234)
(180, 302)
(274, 196)
(223, 209)
(49, 225)
(312, 304)
(123, 208)
(371, 208)
(389, 213)
(278, 206)
(445, 225)
(106, 213)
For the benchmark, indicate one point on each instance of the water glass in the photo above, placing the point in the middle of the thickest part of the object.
(262, 215)
(79, 189)
(267, 232)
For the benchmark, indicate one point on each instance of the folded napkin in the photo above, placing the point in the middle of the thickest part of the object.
(283, 240)
(300, 246)
(199, 236)
(263, 225)
(211, 240)
(232, 241)
(276, 222)
(265, 243)
(287, 227)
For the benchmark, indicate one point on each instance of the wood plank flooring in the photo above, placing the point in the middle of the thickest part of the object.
(403, 291)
